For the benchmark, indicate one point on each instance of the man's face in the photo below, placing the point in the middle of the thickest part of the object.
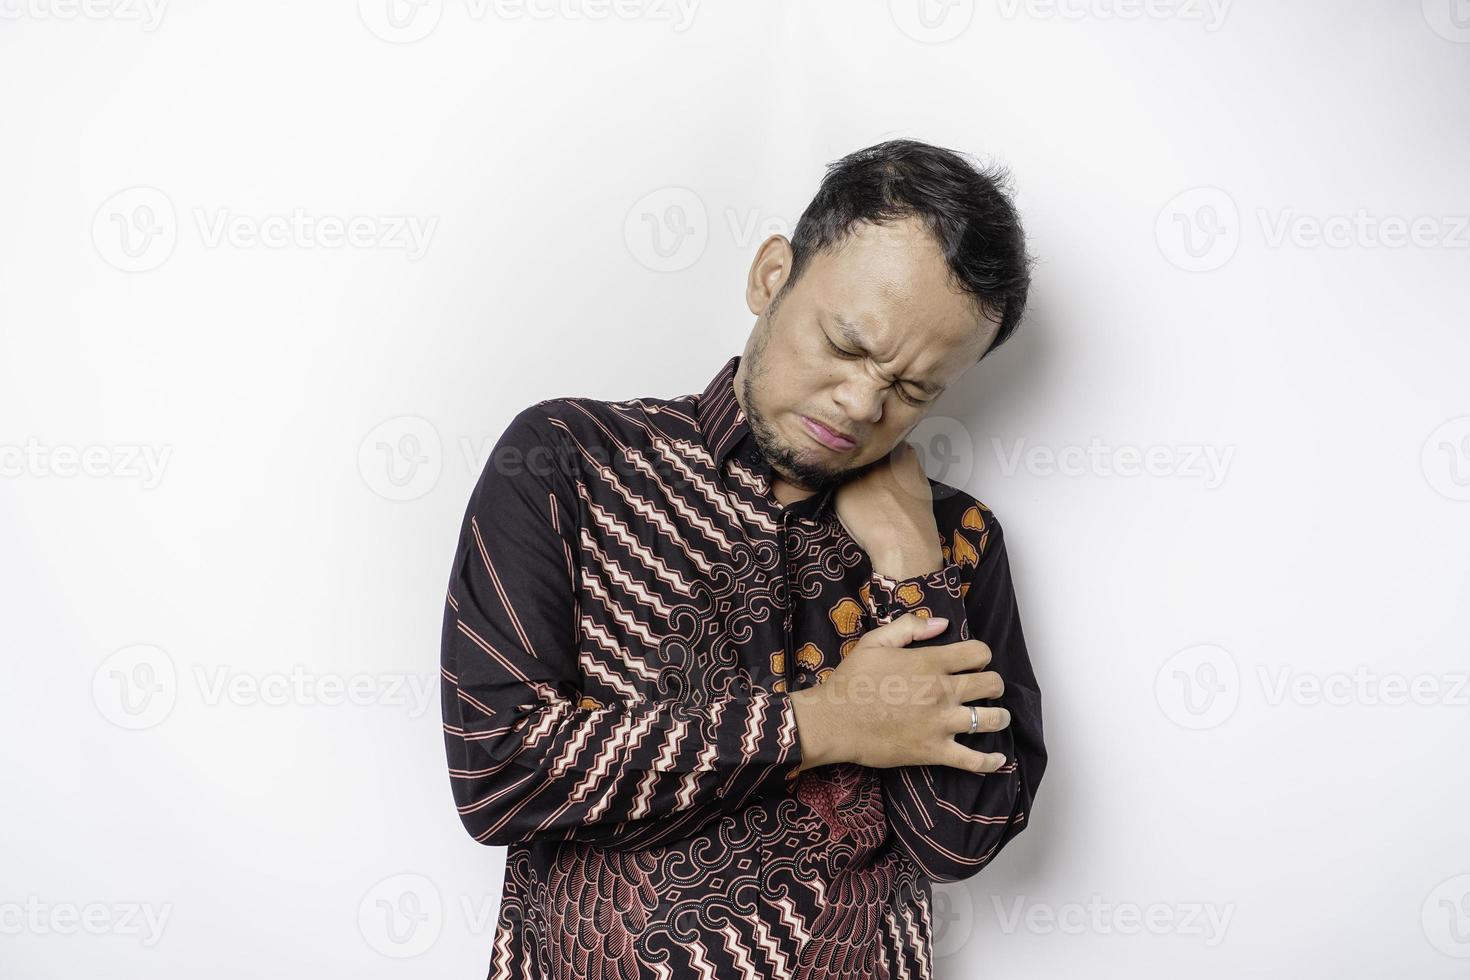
(855, 353)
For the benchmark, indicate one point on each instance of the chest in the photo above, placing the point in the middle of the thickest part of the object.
(711, 589)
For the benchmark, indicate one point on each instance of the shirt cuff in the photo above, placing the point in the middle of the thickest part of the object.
(787, 737)
(938, 593)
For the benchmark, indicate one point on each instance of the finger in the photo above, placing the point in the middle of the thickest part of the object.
(983, 686)
(991, 720)
(906, 629)
(966, 655)
(956, 756)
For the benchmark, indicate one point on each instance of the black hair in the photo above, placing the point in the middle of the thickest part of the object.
(966, 206)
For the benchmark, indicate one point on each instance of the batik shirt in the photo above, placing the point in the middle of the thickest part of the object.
(628, 610)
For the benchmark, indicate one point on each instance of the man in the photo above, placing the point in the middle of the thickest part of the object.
(733, 680)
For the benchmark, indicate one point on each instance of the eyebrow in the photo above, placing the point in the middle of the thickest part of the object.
(850, 334)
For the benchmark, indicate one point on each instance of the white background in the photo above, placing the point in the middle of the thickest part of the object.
(1240, 784)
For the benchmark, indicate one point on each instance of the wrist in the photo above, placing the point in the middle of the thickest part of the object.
(816, 728)
(908, 561)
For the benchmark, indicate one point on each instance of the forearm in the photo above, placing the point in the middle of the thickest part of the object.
(536, 745)
(627, 773)
(906, 552)
(824, 728)
(952, 822)
(819, 729)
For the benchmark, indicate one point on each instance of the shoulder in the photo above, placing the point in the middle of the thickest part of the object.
(969, 529)
(599, 422)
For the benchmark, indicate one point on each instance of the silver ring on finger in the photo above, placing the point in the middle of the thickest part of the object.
(974, 720)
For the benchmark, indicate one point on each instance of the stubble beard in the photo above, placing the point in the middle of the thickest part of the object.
(790, 465)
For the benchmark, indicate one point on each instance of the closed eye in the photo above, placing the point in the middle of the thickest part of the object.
(839, 351)
(848, 355)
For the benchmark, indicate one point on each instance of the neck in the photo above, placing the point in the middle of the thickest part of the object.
(787, 492)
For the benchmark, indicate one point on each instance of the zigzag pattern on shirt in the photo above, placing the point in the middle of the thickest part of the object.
(641, 851)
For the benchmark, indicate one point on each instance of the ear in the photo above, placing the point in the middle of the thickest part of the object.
(768, 273)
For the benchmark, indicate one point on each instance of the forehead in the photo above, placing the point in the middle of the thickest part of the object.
(894, 285)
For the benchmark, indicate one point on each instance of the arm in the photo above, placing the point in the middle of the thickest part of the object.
(949, 821)
(528, 755)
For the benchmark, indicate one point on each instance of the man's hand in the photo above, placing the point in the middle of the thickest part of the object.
(889, 512)
(888, 706)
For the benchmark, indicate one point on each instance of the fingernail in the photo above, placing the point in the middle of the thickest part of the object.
(939, 621)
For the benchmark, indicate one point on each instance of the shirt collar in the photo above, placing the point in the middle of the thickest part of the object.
(721, 419)
(726, 431)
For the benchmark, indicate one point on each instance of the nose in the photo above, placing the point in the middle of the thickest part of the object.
(860, 396)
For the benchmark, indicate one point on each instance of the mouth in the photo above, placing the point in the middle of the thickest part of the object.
(828, 437)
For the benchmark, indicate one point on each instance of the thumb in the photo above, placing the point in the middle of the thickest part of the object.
(908, 628)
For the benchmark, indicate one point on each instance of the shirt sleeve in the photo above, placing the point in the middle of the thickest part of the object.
(529, 754)
(949, 821)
